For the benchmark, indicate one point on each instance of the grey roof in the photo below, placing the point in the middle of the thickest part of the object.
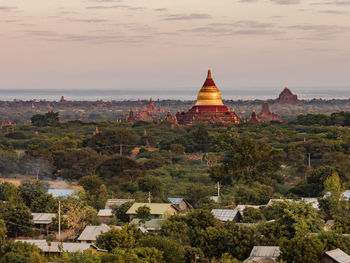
(338, 255)
(117, 202)
(55, 246)
(242, 207)
(346, 195)
(42, 218)
(153, 224)
(264, 252)
(105, 212)
(311, 200)
(278, 200)
(225, 214)
(90, 233)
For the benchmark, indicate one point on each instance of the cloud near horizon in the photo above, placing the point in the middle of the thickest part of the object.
(165, 42)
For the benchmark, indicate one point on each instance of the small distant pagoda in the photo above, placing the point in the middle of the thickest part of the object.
(147, 113)
(6, 122)
(170, 118)
(130, 117)
(253, 118)
(63, 100)
(209, 107)
(266, 115)
(287, 97)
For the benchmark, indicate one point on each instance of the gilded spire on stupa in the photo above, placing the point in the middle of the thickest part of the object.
(209, 94)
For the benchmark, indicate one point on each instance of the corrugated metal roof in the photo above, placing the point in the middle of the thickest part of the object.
(175, 201)
(117, 202)
(278, 200)
(90, 233)
(347, 195)
(225, 214)
(153, 224)
(60, 193)
(311, 200)
(339, 255)
(67, 247)
(264, 252)
(42, 218)
(105, 212)
(156, 208)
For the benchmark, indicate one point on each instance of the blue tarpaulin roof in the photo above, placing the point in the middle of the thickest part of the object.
(175, 201)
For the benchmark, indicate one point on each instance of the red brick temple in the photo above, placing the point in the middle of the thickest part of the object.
(266, 115)
(63, 100)
(147, 113)
(170, 118)
(209, 107)
(287, 97)
(6, 122)
(253, 118)
(130, 117)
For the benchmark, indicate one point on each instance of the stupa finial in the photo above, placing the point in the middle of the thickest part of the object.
(209, 74)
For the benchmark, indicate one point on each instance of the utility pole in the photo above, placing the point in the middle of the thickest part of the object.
(309, 160)
(37, 174)
(149, 197)
(218, 186)
(121, 150)
(59, 220)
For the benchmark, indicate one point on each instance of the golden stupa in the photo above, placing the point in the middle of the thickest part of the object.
(209, 94)
(209, 107)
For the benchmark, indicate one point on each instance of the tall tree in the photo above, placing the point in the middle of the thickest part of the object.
(143, 213)
(117, 238)
(48, 119)
(302, 249)
(17, 217)
(251, 161)
(112, 142)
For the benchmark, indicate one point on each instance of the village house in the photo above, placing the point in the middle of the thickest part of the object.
(181, 203)
(43, 221)
(263, 254)
(117, 202)
(272, 201)
(105, 215)
(57, 248)
(148, 226)
(227, 214)
(242, 207)
(158, 210)
(335, 256)
(90, 233)
(313, 201)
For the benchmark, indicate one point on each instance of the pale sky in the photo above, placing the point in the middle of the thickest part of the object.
(169, 44)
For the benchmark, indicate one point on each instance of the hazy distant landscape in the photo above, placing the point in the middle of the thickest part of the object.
(165, 94)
